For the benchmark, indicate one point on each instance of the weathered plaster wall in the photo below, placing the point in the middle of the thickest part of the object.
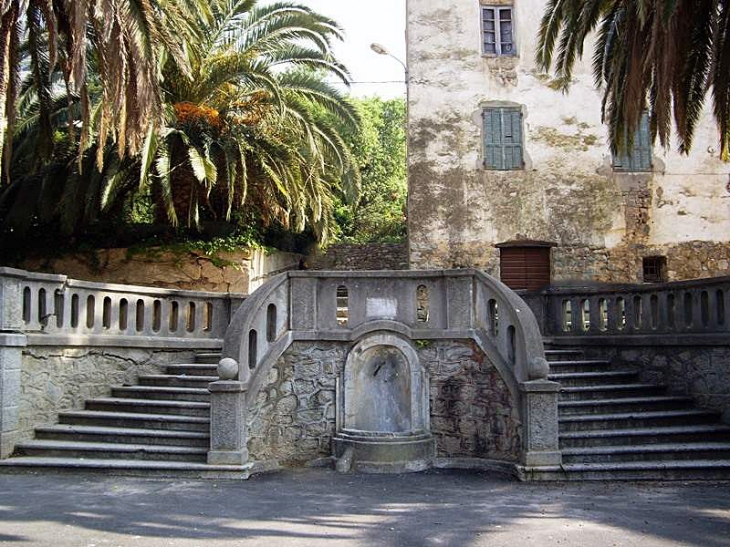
(472, 413)
(236, 272)
(54, 379)
(567, 192)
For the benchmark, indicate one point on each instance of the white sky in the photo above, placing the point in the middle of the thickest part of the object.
(365, 22)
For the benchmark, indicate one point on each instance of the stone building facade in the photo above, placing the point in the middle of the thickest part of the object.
(472, 73)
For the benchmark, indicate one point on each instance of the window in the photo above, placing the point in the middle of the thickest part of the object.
(503, 138)
(655, 268)
(639, 158)
(497, 36)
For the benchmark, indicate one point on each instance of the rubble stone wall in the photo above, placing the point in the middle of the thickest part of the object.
(56, 379)
(293, 418)
(373, 256)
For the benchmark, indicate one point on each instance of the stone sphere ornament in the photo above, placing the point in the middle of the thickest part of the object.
(539, 369)
(227, 369)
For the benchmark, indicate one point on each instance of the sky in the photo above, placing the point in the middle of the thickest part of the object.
(365, 22)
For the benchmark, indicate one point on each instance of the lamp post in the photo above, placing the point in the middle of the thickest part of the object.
(382, 50)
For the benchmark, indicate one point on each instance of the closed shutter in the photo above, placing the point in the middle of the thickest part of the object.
(525, 267)
(503, 138)
(639, 159)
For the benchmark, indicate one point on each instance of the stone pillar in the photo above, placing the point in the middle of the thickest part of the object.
(228, 423)
(11, 354)
(540, 411)
(12, 342)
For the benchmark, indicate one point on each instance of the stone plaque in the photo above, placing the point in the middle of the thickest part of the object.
(385, 308)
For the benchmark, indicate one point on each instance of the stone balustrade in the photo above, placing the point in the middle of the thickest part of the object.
(416, 305)
(680, 308)
(47, 319)
(51, 309)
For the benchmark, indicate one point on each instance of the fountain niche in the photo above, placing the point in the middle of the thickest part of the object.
(383, 413)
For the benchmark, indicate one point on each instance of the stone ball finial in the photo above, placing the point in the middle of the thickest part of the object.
(539, 369)
(227, 368)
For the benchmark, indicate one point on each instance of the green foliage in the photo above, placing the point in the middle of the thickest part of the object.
(380, 152)
(249, 133)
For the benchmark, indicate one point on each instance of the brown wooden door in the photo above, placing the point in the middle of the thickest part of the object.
(525, 267)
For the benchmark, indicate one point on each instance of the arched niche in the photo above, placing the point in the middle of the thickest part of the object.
(384, 388)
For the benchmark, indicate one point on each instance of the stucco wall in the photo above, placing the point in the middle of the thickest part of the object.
(472, 413)
(54, 379)
(567, 192)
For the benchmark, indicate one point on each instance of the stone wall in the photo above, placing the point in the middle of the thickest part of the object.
(55, 379)
(373, 256)
(603, 221)
(472, 413)
(235, 272)
(702, 372)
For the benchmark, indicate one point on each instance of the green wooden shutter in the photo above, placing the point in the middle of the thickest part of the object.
(641, 154)
(493, 157)
(503, 138)
(639, 158)
(512, 120)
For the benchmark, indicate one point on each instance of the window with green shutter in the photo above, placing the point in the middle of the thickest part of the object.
(638, 159)
(503, 138)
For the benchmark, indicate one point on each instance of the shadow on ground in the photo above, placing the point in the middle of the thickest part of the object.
(315, 507)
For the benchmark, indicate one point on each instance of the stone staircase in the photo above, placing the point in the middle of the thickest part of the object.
(159, 427)
(615, 427)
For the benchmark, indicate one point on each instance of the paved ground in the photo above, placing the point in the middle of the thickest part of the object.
(320, 507)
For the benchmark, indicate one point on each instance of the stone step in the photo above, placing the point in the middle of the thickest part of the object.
(636, 420)
(149, 406)
(585, 365)
(210, 357)
(192, 369)
(612, 391)
(124, 467)
(577, 379)
(171, 380)
(561, 354)
(625, 404)
(648, 452)
(162, 393)
(651, 435)
(114, 451)
(134, 420)
(644, 470)
(95, 434)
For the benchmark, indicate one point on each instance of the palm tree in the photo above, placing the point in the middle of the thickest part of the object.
(657, 55)
(127, 40)
(247, 123)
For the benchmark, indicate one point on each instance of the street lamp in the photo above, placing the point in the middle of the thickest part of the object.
(381, 50)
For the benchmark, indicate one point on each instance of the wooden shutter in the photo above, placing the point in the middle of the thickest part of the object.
(493, 156)
(525, 267)
(639, 159)
(503, 138)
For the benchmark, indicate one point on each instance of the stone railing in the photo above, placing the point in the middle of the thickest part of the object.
(674, 309)
(54, 310)
(345, 306)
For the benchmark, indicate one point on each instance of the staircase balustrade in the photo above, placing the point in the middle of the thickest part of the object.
(679, 308)
(55, 310)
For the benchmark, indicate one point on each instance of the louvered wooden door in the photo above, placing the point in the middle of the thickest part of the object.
(525, 267)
